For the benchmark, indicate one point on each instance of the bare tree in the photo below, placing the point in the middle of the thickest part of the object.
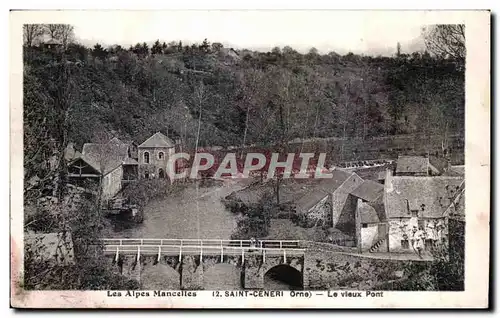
(66, 34)
(61, 32)
(446, 40)
(52, 30)
(31, 33)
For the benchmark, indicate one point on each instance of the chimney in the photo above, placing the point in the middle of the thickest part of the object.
(408, 206)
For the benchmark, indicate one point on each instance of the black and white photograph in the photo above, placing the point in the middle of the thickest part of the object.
(246, 156)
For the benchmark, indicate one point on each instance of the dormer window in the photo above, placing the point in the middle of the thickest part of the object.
(414, 213)
(161, 155)
(146, 157)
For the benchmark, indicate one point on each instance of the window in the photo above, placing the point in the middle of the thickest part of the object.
(405, 244)
(146, 175)
(146, 157)
(161, 174)
(414, 213)
(365, 225)
(161, 155)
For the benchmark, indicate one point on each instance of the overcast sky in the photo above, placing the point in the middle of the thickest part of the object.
(342, 32)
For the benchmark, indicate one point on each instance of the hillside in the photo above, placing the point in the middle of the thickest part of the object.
(244, 97)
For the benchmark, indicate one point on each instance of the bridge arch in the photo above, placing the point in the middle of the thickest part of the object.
(160, 276)
(222, 276)
(283, 276)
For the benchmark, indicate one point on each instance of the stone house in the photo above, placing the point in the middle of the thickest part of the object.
(414, 204)
(416, 166)
(325, 202)
(153, 156)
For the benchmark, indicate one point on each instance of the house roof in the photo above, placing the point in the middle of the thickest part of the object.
(321, 188)
(91, 163)
(310, 199)
(130, 161)
(431, 195)
(52, 41)
(158, 140)
(369, 190)
(105, 157)
(56, 247)
(368, 214)
(116, 140)
(412, 164)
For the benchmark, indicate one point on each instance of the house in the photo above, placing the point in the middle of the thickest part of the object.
(52, 44)
(371, 228)
(106, 164)
(153, 156)
(412, 166)
(420, 203)
(324, 202)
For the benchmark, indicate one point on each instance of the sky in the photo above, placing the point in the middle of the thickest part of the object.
(342, 32)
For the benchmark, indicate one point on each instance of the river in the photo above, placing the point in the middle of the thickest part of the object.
(189, 214)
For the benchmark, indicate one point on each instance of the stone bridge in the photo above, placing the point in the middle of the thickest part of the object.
(234, 264)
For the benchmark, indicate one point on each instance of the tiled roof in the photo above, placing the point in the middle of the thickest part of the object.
(369, 190)
(157, 140)
(309, 200)
(52, 41)
(412, 164)
(368, 214)
(105, 157)
(431, 196)
(321, 188)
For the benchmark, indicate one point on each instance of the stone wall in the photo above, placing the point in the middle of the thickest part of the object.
(333, 270)
(112, 183)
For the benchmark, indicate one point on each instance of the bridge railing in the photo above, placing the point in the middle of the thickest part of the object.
(282, 244)
(189, 249)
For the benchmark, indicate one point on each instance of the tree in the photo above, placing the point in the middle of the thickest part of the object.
(32, 33)
(145, 49)
(99, 52)
(52, 30)
(65, 34)
(313, 51)
(446, 40)
(205, 46)
(157, 48)
(276, 50)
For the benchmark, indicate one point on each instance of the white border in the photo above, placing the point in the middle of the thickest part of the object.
(477, 184)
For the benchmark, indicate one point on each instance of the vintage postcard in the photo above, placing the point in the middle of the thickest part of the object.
(250, 159)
